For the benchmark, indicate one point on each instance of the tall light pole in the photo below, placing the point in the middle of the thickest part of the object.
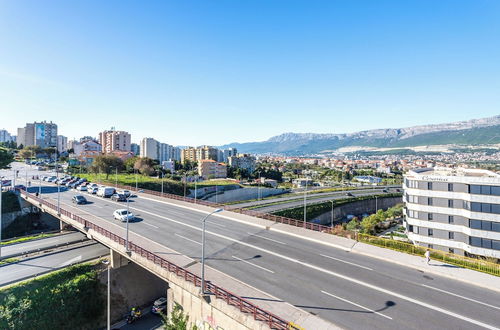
(376, 204)
(332, 212)
(40, 186)
(203, 250)
(195, 190)
(258, 193)
(1, 190)
(128, 217)
(305, 205)
(136, 183)
(108, 321)
(58, 187)
(116, 177)
(162, 176)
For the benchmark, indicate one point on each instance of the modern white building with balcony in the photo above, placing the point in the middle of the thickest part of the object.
(454, 210)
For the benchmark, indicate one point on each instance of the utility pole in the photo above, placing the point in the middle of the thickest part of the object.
(203, 250)
(305, 205)
(116, 177)
(332, 212)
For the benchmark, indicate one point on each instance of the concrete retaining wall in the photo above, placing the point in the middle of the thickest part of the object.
(245, 194)
(360, 207)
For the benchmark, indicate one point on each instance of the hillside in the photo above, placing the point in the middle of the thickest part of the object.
(473, 132)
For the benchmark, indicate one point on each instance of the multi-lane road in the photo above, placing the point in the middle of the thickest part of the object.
(350, 290)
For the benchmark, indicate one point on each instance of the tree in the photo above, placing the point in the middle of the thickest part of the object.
(177, 320)
(5, 158)
(130, 163)
(107, 164)
(353, 224)
(145, 165)
(26, 153)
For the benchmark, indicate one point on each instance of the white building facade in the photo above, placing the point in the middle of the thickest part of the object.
(454, 210)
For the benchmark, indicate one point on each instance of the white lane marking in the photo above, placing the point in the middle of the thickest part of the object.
(70, 261)
(347, 278)
(250, 263)
(215, 223)
(150, 225)
(269, 239)
(358, 305)
(326, 271)
(188, 239)
(457, 295)
(347, 262)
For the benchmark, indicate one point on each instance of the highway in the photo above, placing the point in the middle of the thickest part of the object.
(351, 290)
(41, 244)
(25, 269)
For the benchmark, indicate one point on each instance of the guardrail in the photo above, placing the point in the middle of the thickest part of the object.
(259, 314)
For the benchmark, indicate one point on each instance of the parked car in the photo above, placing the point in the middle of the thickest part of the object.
(349, 194)
(398, 190)
(123, 216)
(385, 190)
(105, 191)
(119, 198)
(81, 188)
(79, 199)
(159, 306)
(92, 190)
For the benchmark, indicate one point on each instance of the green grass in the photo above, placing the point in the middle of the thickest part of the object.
(25, 239)
(8, 261)
(152, 183)
(71, 298)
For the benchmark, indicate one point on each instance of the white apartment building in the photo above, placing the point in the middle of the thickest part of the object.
(149, 148)
(5, 136)
(62, 143)
(454, 210)
(158, 151)
(42, 134)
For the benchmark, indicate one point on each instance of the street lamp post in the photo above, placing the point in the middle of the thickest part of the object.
(195, 190)
(1, 190)
(258, 194)
(376, 204)
(332, 212)
(162, 176)
(305, 204)
(40, 186)
(203, 250)
(116, 177)
(58, 188)
(128, 217)
(136, 183)
(108, 321)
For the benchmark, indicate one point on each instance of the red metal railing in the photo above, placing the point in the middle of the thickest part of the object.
(259, 314)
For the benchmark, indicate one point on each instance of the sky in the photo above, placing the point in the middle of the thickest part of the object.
(220, 71)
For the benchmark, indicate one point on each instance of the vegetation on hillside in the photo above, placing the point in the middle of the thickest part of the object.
(368, 224)
(67, 299)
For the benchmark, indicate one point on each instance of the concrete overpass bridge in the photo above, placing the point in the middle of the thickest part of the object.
(270, 272)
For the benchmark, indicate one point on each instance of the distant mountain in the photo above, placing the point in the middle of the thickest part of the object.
(471, 132)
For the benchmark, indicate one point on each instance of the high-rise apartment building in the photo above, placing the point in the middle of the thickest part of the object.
(149, 148)
(231, 152)
(135, 148)
(454, 210)
(207, 152)
(210, 169)
(188, 154)
(41, 134)
(62, 143)
(243, 161)
(5, 136)
(114, 141)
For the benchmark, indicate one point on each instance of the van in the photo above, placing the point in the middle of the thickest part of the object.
(105, 191)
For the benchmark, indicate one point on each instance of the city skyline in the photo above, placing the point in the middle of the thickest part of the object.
(195, 73)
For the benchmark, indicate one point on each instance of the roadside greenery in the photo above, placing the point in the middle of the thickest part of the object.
(177, 320)
(25, 239)
(316, 210)
(8, 261)
(369, 224)
(6, 157)
(67, 299)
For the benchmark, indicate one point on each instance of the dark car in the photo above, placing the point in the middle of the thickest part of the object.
(385, 190)
(119, 198)
(349, 194)
(159, 306)
(79, 199)
(398, 190)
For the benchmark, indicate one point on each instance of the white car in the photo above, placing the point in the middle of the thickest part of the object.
(92, 190)
(127, 193)
(81, 188)
(121, 215)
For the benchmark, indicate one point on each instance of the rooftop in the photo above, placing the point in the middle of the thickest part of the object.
(459, 171)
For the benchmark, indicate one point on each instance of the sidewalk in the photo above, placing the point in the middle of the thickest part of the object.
(436, 267)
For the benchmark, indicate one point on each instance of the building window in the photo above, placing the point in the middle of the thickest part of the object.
(450, 203)
(429, 216)
(429, 200)
(451, 235)
(430, 232)
(450, 186)
(429, 185)
(451, 219)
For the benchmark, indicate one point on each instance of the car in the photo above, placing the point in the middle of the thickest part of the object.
(349, 194)
(20, 187)
(127, 193)
(92, 190)
(79, 199)
(81, 188)
(121, 215)
(118, 198)
(159, 306)
(385, 190)
(398, 190)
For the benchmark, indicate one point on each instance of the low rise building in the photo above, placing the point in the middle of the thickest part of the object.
(210, 169)
(243, 161)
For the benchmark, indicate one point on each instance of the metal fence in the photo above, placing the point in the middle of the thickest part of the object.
(259, 314)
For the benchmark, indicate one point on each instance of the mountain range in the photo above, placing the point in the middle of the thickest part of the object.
(474, 132)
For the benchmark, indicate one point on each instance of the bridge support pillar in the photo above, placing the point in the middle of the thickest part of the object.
(117, 260)
(63, 226)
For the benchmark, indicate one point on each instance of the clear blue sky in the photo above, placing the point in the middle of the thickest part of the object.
(213, 72)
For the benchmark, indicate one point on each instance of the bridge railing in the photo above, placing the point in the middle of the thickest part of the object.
(259, 314)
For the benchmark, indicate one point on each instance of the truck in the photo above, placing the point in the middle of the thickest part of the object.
(105, 192)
